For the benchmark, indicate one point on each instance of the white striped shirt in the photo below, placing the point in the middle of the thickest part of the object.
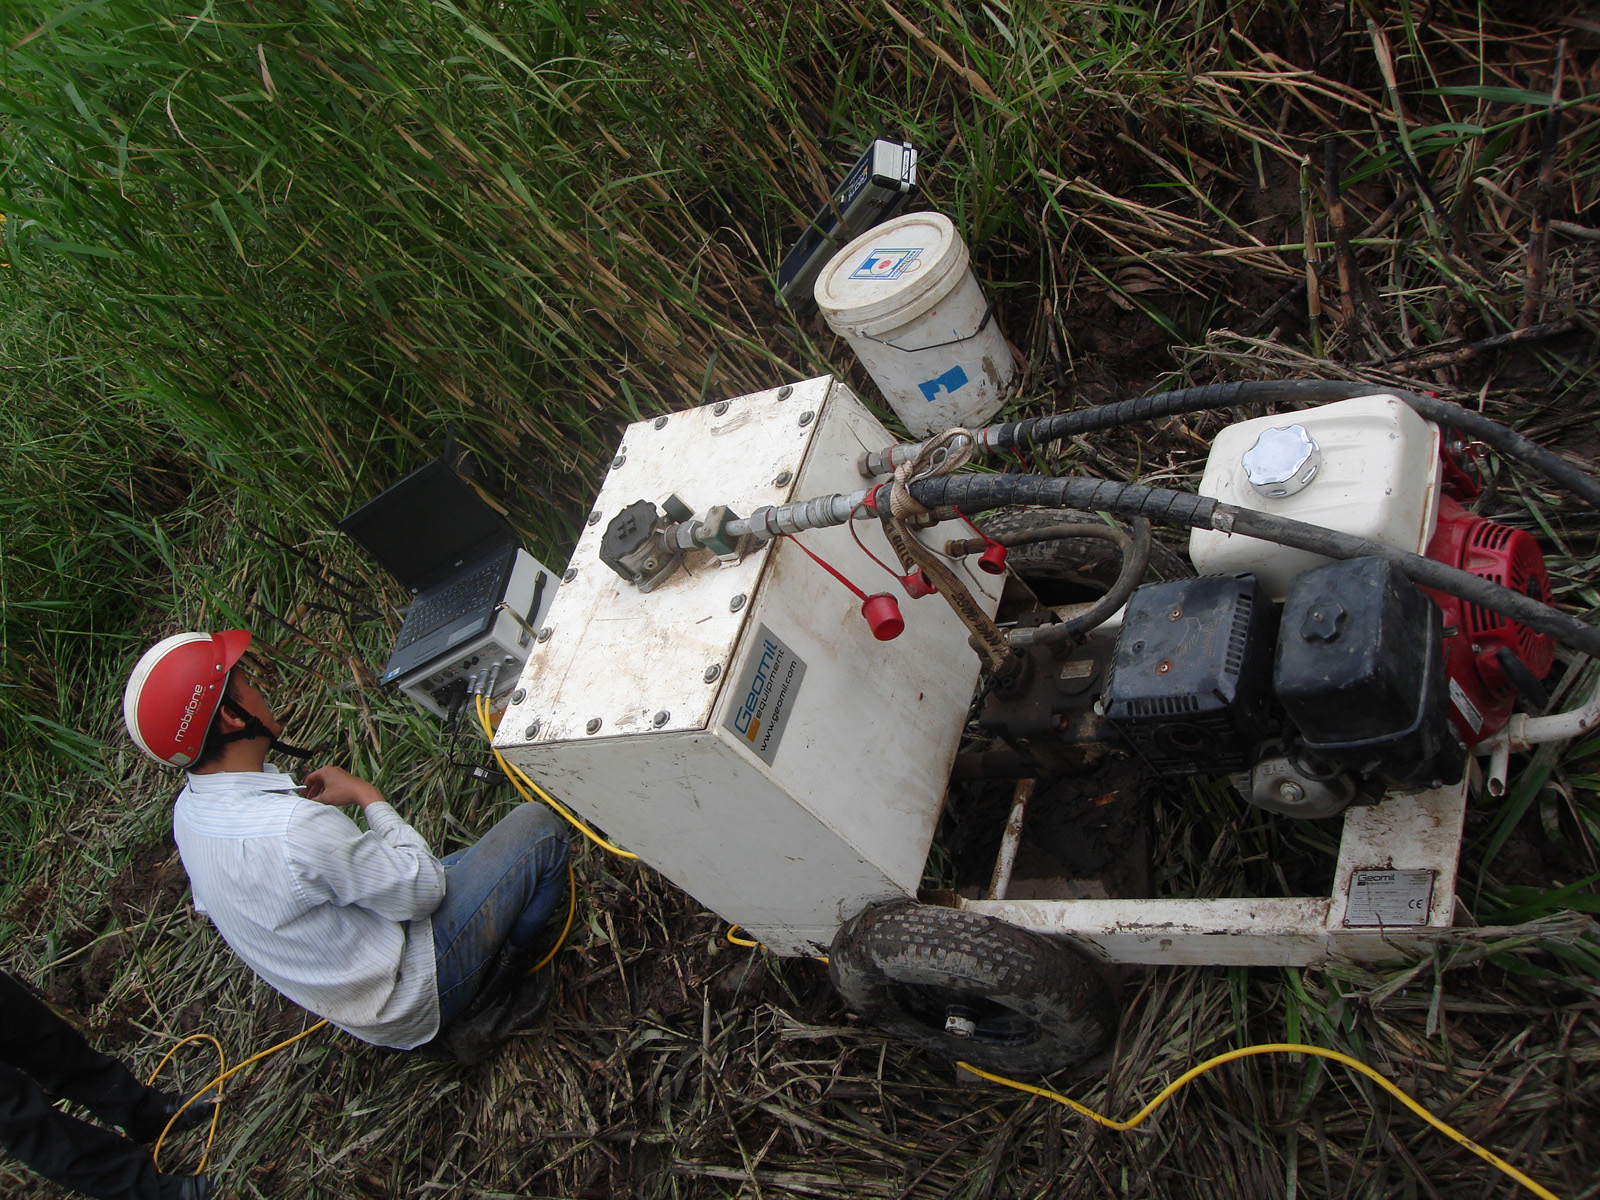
(335, 919)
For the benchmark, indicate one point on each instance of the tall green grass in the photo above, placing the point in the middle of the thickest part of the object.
(327, 228)
(277, 250)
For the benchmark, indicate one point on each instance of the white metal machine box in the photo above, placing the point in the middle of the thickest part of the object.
(738, 727)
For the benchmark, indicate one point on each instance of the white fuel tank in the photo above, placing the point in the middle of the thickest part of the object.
(738, 727)
(1368, 466)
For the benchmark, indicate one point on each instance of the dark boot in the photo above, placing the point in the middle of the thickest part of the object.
(500, 982)
(154, 1118)
(532, 998)
(186, 1187)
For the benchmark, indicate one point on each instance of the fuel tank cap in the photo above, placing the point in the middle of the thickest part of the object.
(1282, 462)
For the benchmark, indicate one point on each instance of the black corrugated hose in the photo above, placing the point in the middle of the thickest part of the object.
(1258, 393)
(978, 493)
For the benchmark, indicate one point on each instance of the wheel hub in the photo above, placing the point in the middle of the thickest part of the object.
(960, 1021)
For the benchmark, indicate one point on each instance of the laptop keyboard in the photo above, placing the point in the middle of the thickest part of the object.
(463, 596)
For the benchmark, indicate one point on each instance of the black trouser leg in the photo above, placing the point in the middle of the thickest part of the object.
(54, 1054)
(73, 1153)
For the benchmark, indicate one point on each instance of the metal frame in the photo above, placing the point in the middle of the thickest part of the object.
(1420, 832)
(1414, 833)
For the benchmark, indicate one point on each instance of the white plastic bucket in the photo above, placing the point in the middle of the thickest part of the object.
(904, 297)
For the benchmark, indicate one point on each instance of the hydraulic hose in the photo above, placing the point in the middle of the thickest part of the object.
(1259, 393)
(976, 493)
(1135, 561)
(1045, 533)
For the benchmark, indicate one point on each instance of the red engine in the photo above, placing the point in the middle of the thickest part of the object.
(1484, 684)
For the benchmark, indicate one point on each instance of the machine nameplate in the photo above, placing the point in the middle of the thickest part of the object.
(1382, 898)
(768, 688)
(1464, 705)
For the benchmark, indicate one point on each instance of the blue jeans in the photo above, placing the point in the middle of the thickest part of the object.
(500, 889)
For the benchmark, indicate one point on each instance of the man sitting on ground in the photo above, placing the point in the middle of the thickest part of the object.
(367, 929)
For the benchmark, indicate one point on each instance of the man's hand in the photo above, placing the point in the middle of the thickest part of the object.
(336, 786)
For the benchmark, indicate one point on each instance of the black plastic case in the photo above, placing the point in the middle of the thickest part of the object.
(1360, 672)
(1189, 684)
(872, 192)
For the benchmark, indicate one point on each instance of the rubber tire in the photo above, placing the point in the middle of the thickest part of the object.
(898, 964)
(1083, 562)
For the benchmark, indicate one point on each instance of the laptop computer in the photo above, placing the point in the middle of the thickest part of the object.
(435, 534)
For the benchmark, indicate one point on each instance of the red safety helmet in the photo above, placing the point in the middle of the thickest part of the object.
(175, 690)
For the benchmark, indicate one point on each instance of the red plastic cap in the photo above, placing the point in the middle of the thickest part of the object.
(175, 690)
(993, 560)
(883, 616)
(918, 585)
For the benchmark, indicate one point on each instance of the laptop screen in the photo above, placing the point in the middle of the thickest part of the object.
(426, 525)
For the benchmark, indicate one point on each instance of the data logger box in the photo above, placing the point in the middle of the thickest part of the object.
(871, 192)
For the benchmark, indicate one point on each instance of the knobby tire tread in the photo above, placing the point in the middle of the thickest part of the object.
(1045, 980)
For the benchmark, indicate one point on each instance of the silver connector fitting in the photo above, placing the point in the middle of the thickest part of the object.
(821, 512)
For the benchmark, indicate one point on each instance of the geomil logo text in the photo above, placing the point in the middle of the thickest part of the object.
(745, 722)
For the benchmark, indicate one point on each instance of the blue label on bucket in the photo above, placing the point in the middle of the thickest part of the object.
(887, 264)
(952, 380)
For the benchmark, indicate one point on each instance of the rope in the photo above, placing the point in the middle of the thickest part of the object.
(939, 455)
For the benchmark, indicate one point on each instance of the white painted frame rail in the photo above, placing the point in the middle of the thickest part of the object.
(1413, 833)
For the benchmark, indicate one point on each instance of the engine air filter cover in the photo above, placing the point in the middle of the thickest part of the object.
(1189, 684)
(1360, 672)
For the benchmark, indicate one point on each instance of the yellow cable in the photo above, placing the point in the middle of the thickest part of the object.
(1274, 1048)
(518, 777)
(211, 1134)
(216, 1082)
(481, 704)
(572, 911)
(750, 945)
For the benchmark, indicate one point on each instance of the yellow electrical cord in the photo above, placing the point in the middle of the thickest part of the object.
(216, 1082)
(751, 945)
(1354, 1064)
(515, 773)
(480, 704)
(216, 1109)
(518, 777)
(572, 911)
